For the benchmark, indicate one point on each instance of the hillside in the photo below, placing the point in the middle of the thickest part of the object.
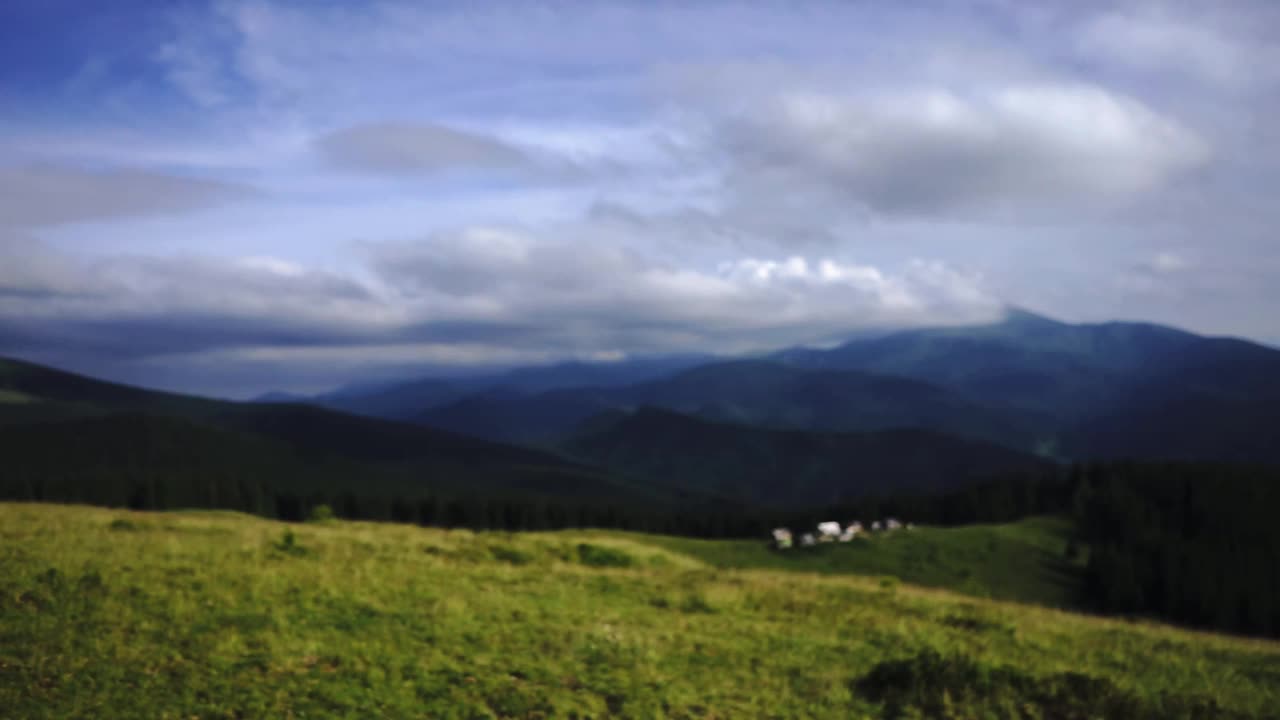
(46, 394)
(117, 614)
(746, 392)
(1021, 561)
(1218, 399)
(409, 398)
(127, 439)
(789, 467)
(1103, 390)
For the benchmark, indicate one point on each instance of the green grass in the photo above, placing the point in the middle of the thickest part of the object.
(1022, 561)
(176, 615)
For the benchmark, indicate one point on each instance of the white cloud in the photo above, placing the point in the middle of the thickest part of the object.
(1167, 262)
(1007, 152)
(1214, 43)
(612, 295)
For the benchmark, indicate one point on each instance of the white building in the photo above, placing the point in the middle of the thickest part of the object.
(828, 531)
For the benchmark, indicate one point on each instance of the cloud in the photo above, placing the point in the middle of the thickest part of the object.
(415, 148)
(1004, 152)
(134, 307)
(1223, 45)
(53, 194)
(478, 295)
(572, 293)
(1167, 262)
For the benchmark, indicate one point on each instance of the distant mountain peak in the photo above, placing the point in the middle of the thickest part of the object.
(1019, 316)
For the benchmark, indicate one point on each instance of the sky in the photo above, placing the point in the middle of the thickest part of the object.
(237, 196)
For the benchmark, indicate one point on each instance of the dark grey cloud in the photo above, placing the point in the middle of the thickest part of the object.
(407, 148)
(36, 195)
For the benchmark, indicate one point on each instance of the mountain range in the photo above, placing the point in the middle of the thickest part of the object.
(910, 411)
(1063, 391)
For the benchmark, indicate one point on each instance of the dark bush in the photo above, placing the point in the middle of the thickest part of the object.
(288, 544)
(959, 686)
(510, 555)
(600, 556)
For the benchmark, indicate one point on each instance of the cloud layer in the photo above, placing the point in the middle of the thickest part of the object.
(490, 294)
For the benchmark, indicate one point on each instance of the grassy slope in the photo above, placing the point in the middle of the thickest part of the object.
(111, 614)
(1021, 561)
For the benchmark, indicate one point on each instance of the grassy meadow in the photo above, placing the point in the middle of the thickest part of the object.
(108, 613)
(1023, 561)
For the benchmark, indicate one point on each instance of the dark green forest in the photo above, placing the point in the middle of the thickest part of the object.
(1197, 544)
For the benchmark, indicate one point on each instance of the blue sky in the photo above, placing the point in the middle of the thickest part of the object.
(235, 196)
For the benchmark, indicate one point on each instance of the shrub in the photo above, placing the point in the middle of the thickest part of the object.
(978, 624)
(288, 544)
(934, 685)
(507, 554)
(320, 514)
(1072, 552)
(601, 556)
(696, 603)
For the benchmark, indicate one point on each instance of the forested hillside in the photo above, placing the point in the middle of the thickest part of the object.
(746, 392)
(780, 468)
(1195, 544)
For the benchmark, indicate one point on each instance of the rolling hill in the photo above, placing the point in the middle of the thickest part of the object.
(788, 467)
